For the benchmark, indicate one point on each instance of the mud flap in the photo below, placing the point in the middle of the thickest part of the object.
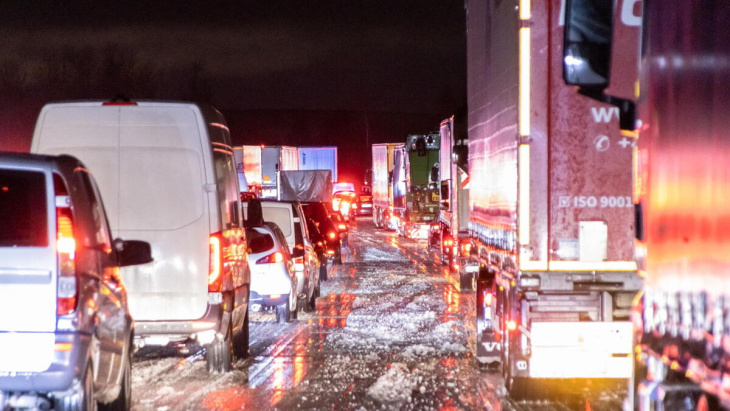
(489, 347)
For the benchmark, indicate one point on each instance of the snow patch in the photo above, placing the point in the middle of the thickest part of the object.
(396, 385)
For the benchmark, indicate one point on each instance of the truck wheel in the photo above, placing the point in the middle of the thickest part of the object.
(323, 270)
(81, 397)
(466, 281)
(219, 355)
(520, 388)
(283, 313)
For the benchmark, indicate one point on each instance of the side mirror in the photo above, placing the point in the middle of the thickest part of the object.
(132, 252)
(298, 251)
(445, 205)
(435, 175)
(587, 43)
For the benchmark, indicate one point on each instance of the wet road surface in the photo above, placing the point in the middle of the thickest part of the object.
(391, 331)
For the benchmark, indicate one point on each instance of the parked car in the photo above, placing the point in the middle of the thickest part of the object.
(364, 204)
(65, 329)
(167, 173)
(273, 280)
(290, 218)
(318, 212)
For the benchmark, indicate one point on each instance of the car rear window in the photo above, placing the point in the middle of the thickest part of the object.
(23, 209)
(281, 216)
(259, 242)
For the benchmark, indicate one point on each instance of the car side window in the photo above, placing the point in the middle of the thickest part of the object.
(228, 192)
(102, 236)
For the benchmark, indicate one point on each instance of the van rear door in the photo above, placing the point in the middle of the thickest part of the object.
(27, 270)
(162, 183)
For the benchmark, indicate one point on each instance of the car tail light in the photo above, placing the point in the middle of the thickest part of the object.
(332, 235)
(435, 227)
(448, 242)
(272, 258)
(465, 249)
(330, 252)
(342, 227)
(215, 275)
(299, 264)
(66, 250)
(511, 325)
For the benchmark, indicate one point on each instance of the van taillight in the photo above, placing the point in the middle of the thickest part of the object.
(66, 251)
(215, 275)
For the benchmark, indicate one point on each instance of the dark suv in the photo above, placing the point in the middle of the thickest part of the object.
(65, 331)
(320, 214)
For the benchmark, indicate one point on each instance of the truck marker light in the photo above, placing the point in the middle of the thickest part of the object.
(274, 296)
(488, 299)
(511, 325)
(63, 347)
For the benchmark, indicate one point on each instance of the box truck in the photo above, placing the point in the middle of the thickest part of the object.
(382, 183)
(273, 160)
(248, 168)
(319, 158)
(451, 232)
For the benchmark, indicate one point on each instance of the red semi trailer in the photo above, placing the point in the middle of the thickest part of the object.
(550, 204)
(682, 316)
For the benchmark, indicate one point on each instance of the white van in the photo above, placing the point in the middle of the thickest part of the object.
(167, 174)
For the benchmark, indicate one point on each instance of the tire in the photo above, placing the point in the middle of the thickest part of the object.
(520, 388)
(311, 304)
(466, 282)
(82, 396)
(219, 355)
(124, 400)
(240, 340)
(323, 270)
(283, 313)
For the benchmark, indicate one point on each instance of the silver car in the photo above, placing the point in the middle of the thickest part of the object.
(65, 331)
(273, 280)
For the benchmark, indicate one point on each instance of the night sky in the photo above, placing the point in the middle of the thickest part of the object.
(283, 72)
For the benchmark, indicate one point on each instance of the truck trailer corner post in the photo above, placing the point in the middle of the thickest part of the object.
(550, 207)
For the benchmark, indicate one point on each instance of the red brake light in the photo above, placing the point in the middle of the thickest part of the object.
(332, 235)
(215, 277)
(67, 296)
(272, 258)
(118, 103)
(342, 227)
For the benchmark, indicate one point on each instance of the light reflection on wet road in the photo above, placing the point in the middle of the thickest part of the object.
(390, 331)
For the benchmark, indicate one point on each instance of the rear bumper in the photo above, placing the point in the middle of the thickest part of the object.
(265, 299)
(164, 332)
(59, 376)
